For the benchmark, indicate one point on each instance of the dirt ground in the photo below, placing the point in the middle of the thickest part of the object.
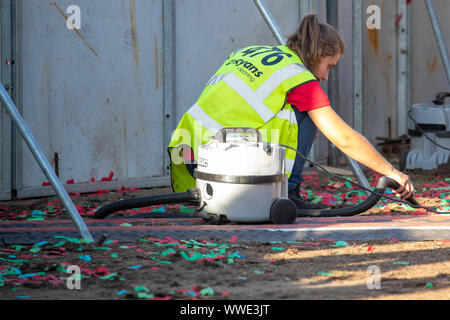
(196, 269)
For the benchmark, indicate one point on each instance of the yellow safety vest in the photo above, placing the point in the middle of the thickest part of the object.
(249, 90)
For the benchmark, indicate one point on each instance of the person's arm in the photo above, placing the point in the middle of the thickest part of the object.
(358, 147)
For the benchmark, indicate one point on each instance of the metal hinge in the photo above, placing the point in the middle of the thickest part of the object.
(9, 86)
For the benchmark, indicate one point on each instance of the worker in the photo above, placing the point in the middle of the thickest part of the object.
(276, 90)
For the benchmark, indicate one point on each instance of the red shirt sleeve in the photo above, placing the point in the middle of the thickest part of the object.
(308, 96)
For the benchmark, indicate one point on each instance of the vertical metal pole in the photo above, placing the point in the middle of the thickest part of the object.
(5, 122)
(273, 26)
(402, 67)
(307, 7)
(168, 76)
(43, 163)
(332, 10)
(439, 38)
(357, 67)
(357, 87)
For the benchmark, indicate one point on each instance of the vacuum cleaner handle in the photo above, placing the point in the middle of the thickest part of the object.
(221, 135)
(440, 98)
(394, 185)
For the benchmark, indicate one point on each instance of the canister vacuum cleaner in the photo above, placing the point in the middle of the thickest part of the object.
(240, 178)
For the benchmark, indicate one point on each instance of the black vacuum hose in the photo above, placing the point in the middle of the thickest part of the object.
(191, 196)
(381, 186)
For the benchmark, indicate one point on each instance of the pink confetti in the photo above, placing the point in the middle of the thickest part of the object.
(233, 238)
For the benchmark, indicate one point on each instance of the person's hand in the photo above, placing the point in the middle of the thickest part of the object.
(406, 188)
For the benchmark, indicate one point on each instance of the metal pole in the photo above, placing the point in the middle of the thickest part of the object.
(273, 26)
(357, 87)
(439, 38)
(168, 76)
(276, 31)
(5, 77)
(43, 163)
(402, 67)
(357, 67)
(333, 83)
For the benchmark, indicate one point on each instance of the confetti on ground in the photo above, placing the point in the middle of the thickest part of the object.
(401, 262)
(325, 274)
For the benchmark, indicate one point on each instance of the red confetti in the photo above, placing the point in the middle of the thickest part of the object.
(109, 178)
(399, 17)
(101, 270)
(71, 181)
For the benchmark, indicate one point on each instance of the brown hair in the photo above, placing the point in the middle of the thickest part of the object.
(314, 40)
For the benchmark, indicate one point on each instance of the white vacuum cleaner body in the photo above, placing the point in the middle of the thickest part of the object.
(434, 120)
(242, 179)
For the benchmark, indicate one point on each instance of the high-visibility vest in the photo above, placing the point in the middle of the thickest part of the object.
(249, 90)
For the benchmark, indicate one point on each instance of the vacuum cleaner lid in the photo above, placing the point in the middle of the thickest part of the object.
(240, 151)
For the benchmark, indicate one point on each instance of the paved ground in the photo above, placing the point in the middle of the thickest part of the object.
(130, 229)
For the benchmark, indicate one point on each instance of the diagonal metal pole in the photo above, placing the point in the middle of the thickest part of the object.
(43, 163)
(439, 38)
(281, 40)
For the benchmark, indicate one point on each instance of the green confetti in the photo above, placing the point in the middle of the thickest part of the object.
(125, 225)
(401, 262)
(17, 247)
(12, 260)
(187, 210)
(161, 261)
(317, 200)
(143, 295)
(348, 184)
(277, 249)
(140, 289)
(324, 273)
(62, 268)
(339, 244)
(60, 243)
(113, 255)
(195, 256)
(73, 240)
(108, 276)
(36, 218)
(429, 285)
(168, 252)
(207, 292)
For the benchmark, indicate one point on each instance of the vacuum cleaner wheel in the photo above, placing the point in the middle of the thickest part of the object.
(283, 211)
